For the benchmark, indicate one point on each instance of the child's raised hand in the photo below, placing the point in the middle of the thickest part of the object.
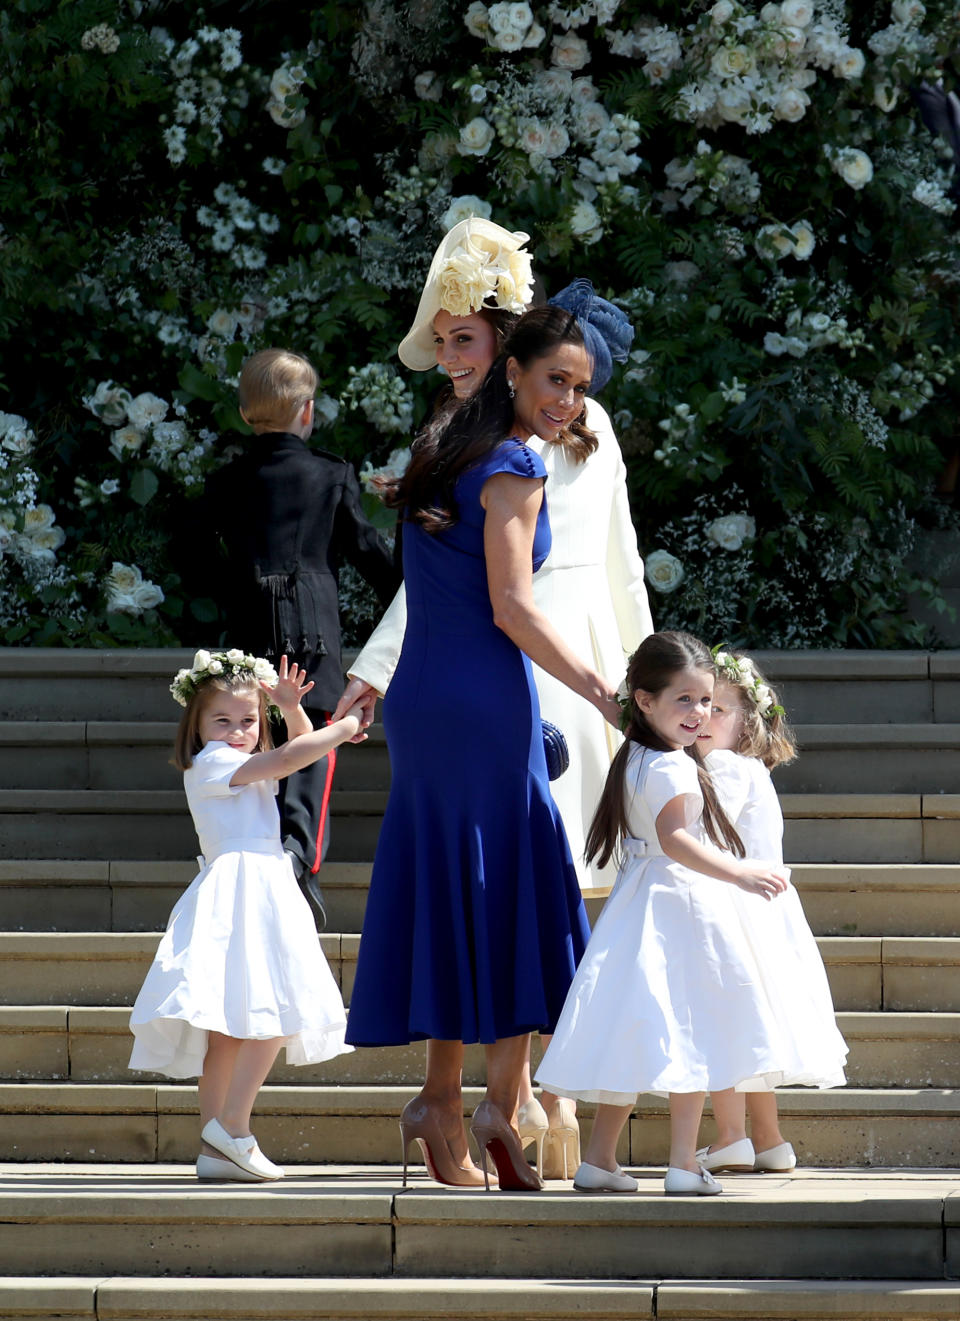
(291, 687)
(760, 878)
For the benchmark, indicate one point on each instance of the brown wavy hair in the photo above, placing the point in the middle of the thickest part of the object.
(452, 442)
(188, 742)
(651, 668)
(770, 741)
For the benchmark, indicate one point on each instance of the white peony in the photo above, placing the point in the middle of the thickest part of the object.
(146, 409)
(462, 208)
(569, 52)
(475, 137)
(731, 531)
(664, 571)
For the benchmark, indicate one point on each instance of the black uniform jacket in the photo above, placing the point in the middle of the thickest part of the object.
(288, 517)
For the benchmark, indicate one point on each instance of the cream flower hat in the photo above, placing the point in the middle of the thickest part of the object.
(478, 264)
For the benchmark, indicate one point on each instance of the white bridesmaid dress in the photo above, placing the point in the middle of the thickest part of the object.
(240, 955)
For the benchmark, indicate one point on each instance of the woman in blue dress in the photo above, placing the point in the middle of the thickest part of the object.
(474, 924)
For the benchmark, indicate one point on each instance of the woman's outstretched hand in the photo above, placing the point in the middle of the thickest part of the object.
(291, 687)
(357, 691)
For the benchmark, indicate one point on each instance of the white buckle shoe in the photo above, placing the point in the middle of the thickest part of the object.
(594, 1179)
(243, 1152)
(218, 1168)
(701, 1184)
(738, 1158)
(781, 1159)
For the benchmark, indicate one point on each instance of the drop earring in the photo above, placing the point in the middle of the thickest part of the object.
(512, 392)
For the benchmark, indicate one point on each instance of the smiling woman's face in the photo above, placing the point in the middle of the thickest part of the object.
(465, 347)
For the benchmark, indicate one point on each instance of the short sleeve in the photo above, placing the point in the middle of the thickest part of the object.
(669, 776)
(730, 776)
(515, 457)
(213, 769)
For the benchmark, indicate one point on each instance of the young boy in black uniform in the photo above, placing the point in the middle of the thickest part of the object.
(288, 517)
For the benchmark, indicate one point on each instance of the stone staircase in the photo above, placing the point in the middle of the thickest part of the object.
(100, 1214)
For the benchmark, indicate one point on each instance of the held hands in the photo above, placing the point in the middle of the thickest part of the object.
(292, 686)
(357, 693)
(760, 878)
(355, 714)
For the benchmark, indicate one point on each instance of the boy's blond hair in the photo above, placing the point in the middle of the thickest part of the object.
(274, 386)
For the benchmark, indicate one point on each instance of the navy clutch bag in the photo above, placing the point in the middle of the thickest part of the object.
(555, 749)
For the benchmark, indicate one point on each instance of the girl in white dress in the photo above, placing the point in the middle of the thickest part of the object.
(747, 737)
(667, 998)
(239, 971)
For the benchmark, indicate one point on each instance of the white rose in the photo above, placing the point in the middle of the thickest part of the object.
(475, 138)
(664, 571)
(283, 83)
(124, 577)
(854, 167)
(885, 97)
(462, 208)
(796, 13)
(38, 518)
(557, 140)
(569, 51)
(235, 656)
(532, 136)
(108, 403)
(222, 323)
(50, 538)
(791, 105)
(591, 119)
(146, 409)
(721, 12)
(774, 241)
(585, 222)
(803, 240)
(284, 115)
(201, 661)
(125, 441)
(732, 62)
(908, 12)
(554, 82)
(849, 63)
(509, 40)
(731, 531)
(428, 85)
(583, 90)
(477, 19)
(147, 595)
(535, 35)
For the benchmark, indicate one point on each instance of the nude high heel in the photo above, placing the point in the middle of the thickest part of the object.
(532, 1123)
(492, 1133)
(419, 1123)
(561, 1147)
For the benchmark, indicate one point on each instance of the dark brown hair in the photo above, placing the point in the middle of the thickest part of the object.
(651, 668)
(188, 742)
(452, 442)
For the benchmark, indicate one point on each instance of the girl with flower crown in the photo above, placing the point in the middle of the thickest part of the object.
(239, 971)
(748, 737)
(591, 586)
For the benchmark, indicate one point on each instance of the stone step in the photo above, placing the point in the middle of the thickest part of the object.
(126, 895)
(149, 1122)
(83, 1044)
(892, 758)
(114, 823)
(234, 1298)
(107, 968)
(112, 755)
(348, 1221)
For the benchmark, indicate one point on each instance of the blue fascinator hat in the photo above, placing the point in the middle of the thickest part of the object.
(606, 329)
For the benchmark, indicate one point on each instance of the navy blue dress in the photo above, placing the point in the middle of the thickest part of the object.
(474, 923)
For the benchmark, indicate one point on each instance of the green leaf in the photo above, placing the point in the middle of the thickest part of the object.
(144, 485)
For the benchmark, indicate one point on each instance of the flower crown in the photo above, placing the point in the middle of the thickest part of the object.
(221, 665)
(740, 671)
(473, 275)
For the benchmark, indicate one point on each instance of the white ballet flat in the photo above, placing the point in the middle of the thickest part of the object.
(244, 1151)
(781, 1159)
(217, 1168)
(686, 1182)
(738, 1157)
(595, 1179)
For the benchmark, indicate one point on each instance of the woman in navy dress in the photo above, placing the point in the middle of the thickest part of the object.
(474, 924)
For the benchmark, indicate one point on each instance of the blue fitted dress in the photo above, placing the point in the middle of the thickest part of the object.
(474, 923)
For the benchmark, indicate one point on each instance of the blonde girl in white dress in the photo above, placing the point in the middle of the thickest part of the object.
(239, 971)
(667, 998)
(748, 737)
